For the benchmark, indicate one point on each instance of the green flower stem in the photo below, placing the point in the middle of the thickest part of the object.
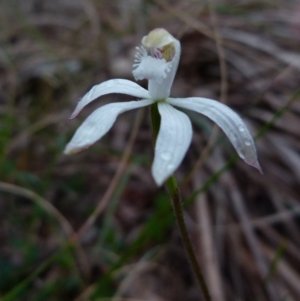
(177, 206)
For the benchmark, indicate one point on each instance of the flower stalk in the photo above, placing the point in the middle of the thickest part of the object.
(173, 190)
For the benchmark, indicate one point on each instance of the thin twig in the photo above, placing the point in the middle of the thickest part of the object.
(193, 23)
(201, 160)
(220, 51)
(241, 212)
(48, 207)
(223, 94)
(208, 248)
(26, 134)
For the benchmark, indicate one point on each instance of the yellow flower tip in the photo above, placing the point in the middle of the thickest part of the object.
(157, 38)
(160, 43)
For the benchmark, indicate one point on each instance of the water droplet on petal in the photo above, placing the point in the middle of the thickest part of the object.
(248, 143)
(166, 156)
(241, 128)
(170, 166)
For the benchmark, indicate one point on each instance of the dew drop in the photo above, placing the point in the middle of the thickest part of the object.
(241, 128)
(248, 143)
(170, 166)
(166, 156)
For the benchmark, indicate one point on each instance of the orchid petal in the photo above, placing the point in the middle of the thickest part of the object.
(99, 123)
(227, 120)
(174, 138)
(122, 86)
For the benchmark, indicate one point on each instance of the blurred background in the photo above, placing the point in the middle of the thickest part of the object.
(94, 226)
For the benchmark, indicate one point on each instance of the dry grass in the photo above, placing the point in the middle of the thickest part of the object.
(245, 226)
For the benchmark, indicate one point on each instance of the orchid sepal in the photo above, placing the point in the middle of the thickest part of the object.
(99, 123)
(173, 140)
(229, 121)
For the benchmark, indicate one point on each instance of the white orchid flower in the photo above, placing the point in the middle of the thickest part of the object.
(157, 60)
